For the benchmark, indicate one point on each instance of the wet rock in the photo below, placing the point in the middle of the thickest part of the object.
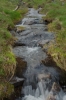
(62, 80)
(54, 91)
(21, 66)
(51, 97)
(46, 29)
(16, 81)
(32, 21)
(47, 21)
(55, 88)
(44, 76)
(49, 61)
(13, 33)
(43, 42)
(29, 22)
(18, 44)
(20, 29)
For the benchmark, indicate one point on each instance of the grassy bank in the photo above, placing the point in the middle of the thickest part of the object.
(55, 11)
(56, 15)
(8, 18)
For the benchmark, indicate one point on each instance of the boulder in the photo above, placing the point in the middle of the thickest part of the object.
(44, 76)
(43, 42)
(54, 91)
(21, 66)
(51, 97)
(49, 61)
(19, 29)
(16, 81)
(55, 88)
(30, 22)
(18, 44)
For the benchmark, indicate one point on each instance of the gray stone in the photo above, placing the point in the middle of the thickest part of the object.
(51, 97)
(55, 87)
(43, 42)
(16, 81)
(44, 76)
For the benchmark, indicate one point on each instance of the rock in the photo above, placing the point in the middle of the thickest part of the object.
(18, 44)
(47, 21)
(51, 97)
(44, 76)
(21, 66)
(55, 88)
(43, 42)
(16, 81)
(49, 61)
(46, 29)
(19, 29)
(30, 22)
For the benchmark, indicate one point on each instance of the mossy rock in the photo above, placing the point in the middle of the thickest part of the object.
(20, 28)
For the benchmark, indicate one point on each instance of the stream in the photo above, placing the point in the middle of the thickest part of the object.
(41, 82)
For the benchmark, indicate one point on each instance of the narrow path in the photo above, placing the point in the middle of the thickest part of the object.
(41, 81)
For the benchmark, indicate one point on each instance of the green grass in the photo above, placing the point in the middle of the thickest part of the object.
(57, 13)
(8, 18)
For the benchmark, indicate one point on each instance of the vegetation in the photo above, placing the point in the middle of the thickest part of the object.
(55, 11)
(8, 18)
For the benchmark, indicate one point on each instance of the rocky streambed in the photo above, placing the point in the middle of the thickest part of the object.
(41, 82)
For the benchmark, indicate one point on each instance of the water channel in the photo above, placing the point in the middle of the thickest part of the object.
(41, 82)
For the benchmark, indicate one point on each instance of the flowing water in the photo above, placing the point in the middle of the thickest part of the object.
(40, 79)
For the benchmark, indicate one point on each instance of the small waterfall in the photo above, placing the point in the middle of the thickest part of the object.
(35, 94)
(41, 93)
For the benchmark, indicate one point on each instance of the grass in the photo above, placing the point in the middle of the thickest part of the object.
(57, 13)
(8, 18)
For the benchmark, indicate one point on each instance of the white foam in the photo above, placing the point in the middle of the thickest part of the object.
(64, 98)
(30, 50)
(30, 97)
